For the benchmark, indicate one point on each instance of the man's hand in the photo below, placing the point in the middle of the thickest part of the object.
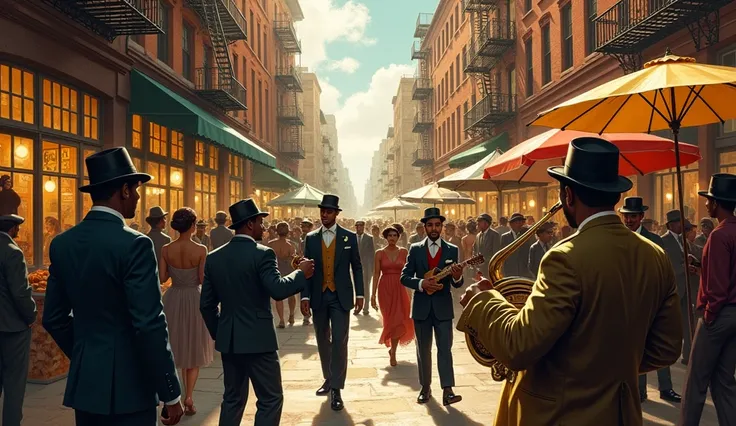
(374, 304)
(457, 271)
(307, 266)
(359, 302)
(474, 289)
(693, 269)
(305, 308)
(430, 285)
(174, 413)
(708, 318)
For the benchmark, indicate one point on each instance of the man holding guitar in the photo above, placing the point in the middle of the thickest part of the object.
(432, 308)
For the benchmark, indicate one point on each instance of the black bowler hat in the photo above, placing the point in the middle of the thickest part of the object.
(592, 163)
(722, 187)
(330, 201)
(432, 213)
(12, 218)
(243, 211)
(486, 217)
(633, 205)
(109, 166)
(516, 216)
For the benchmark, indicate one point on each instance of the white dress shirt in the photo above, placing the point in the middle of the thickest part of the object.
(434, 247)
(596, 216)
(638, 231)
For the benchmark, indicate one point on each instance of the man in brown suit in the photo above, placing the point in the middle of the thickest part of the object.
(603, 310)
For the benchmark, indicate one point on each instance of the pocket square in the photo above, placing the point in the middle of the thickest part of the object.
(347, 247)
(449, 261)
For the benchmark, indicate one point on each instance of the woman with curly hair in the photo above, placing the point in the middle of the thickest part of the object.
(183, 261)
(394, 303)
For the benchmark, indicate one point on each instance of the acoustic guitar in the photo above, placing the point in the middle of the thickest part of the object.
(438, 274)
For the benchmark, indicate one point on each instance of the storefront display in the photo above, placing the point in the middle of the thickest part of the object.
(236, 166)
(206, 158)
(665, 193)
(727, 162)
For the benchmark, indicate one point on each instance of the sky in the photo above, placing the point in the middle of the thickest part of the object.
(359, 50)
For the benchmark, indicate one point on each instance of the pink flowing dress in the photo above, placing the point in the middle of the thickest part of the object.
(394, 303)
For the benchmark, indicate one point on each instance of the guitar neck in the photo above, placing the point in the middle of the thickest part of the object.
(447, 271)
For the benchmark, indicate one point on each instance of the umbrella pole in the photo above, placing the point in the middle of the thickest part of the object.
(681, 198)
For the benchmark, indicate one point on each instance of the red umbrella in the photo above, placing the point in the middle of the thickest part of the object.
(640, 154)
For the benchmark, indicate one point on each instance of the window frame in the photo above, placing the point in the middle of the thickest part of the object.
(566, 37)
(529, 54)
(546, 54)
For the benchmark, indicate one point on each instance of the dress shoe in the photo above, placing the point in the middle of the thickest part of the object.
(424, 395)
(449, 397)
(643, 398)
(336, 400)
(670, 395)
(324, 389)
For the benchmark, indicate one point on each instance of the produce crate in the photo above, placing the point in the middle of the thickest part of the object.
(47, 362)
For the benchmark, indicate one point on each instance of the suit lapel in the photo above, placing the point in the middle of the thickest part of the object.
(339, 245)
(423, 255)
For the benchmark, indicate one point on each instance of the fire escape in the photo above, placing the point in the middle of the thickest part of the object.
(492, 36)
(422, 92)
(113, 18)
(290, 116)
(217, 83)
(629, 27)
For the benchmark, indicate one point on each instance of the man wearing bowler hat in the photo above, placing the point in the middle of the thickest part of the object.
(331, 294)
(713, 356)
(517, 264)
(432, 309)
(487, 242)
(632, 213)
(156, 219)
(17, 315)
(220, 235)
(103, 306)
(242, 277)
(603, 310)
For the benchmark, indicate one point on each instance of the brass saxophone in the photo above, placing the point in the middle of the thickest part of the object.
(514, 289)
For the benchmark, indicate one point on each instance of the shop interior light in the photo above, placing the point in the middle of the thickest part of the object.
(196, 198)
(452, 211)
(258, 192)
(21, 151)
(447, 212)
(49, 186)
(480, 199)
(176, 177)
(532, 203)
(668, 196)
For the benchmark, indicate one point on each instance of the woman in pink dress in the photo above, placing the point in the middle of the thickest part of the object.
(398, 327)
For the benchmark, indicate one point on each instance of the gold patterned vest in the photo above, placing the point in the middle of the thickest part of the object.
(328, 265)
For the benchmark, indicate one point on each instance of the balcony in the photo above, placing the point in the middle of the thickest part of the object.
(233, 22)
(325, 140)
(326, 159)
(492, 110)
(290, 114)
(495, 39)
(419, 52)
(224, 91)
(423, 22)
(390, 132)
(283, 27)
(631, 26)
(422, 122)
(390, 155)
(290, 143)
(479, 5)
(422, 157)
(289, 78)
(384, 172)
(422, 89)
(113, 18)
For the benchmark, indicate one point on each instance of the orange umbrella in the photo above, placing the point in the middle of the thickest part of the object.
(640, 154)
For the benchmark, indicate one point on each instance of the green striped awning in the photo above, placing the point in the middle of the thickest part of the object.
(475, 154)
(272, 179)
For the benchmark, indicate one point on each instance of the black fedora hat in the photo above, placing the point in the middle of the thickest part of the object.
(633, 205)
(330, 201)
(722, 187)
(109, 166)
(592, 163)
(432, 213)
(244, 210)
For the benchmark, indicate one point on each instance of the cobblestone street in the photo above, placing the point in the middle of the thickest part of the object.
(375, 394)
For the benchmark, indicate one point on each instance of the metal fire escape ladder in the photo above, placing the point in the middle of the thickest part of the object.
(220, 49)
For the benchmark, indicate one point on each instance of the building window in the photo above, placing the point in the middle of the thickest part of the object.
(465, 58)
(16, 94)
(91, 112)
(60, 182)
(665, 192)
(567, 48)
(268, 126)
(158, 139)
(591, 11)
(512, 83)
(465, 112)
(162, 44)
(529, 67)
(137, 133)
(727, 162)
(546, 56)
(253, 99)
(177, 146)
(236, 166)
(457, 70)
(199, 153)
(214, 155)
(60, 107)
(259, 41)
(452, 77)
(186, 55)
(205, 194)
(16, 178)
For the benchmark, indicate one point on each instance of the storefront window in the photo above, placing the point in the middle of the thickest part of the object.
(199, 153)
(727, 162)
(16, 94)
(665, 192)
(16, 186)
(553, 197)
(158, 139)
(60, 109)
(510, 203)
(205, 195)
(529, 203)
(177, 146)
(137, 133)
(86, 199)
(235, 166)
(59, 166)
(91, 119)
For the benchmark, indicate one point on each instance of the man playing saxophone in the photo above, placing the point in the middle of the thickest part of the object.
(603, 309)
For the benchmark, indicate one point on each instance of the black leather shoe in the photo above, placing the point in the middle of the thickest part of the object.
(643, 398)
(336, 400)
(324, 389)
(449, 397)
(670, 395)
(424, 395)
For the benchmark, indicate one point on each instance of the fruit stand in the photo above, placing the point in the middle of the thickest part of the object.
(47, 362)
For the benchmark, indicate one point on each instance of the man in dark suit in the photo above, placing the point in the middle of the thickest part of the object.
(103, 306)
(545, 233)
(156, 219)
(331, 294)
(17, 315)
(517, 264)
(487, 242)
(220, 235)
(633, 214)
(367, 255)
(242, 277)
(432, 309)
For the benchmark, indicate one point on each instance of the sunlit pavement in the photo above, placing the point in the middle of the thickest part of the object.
(375, 393)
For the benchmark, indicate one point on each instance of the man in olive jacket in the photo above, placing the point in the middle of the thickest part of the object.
(103, 307)
(242, 276)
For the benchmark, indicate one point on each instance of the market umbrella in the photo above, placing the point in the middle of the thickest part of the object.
(669, 93)
(433, 194)
(640, 154)
(471, 177)
(306, 196)
(395, 204)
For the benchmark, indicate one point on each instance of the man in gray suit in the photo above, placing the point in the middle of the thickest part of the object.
(157, 221)
(633, 214)
(243, 277)
(432, 309)
(487, 242)
(220, 235)
(17, 315)
(545, 233)
(367, 255)
(419, 235)
(517, 264)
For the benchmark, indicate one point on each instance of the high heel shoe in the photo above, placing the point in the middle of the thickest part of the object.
(189, 408)
(291, 319)
(392, 358)
(281, 324)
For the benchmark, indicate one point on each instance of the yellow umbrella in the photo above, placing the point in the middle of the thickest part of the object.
(669, 93)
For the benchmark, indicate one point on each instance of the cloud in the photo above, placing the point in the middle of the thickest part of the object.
(325, 22)
(347, 65)
(329, 100)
